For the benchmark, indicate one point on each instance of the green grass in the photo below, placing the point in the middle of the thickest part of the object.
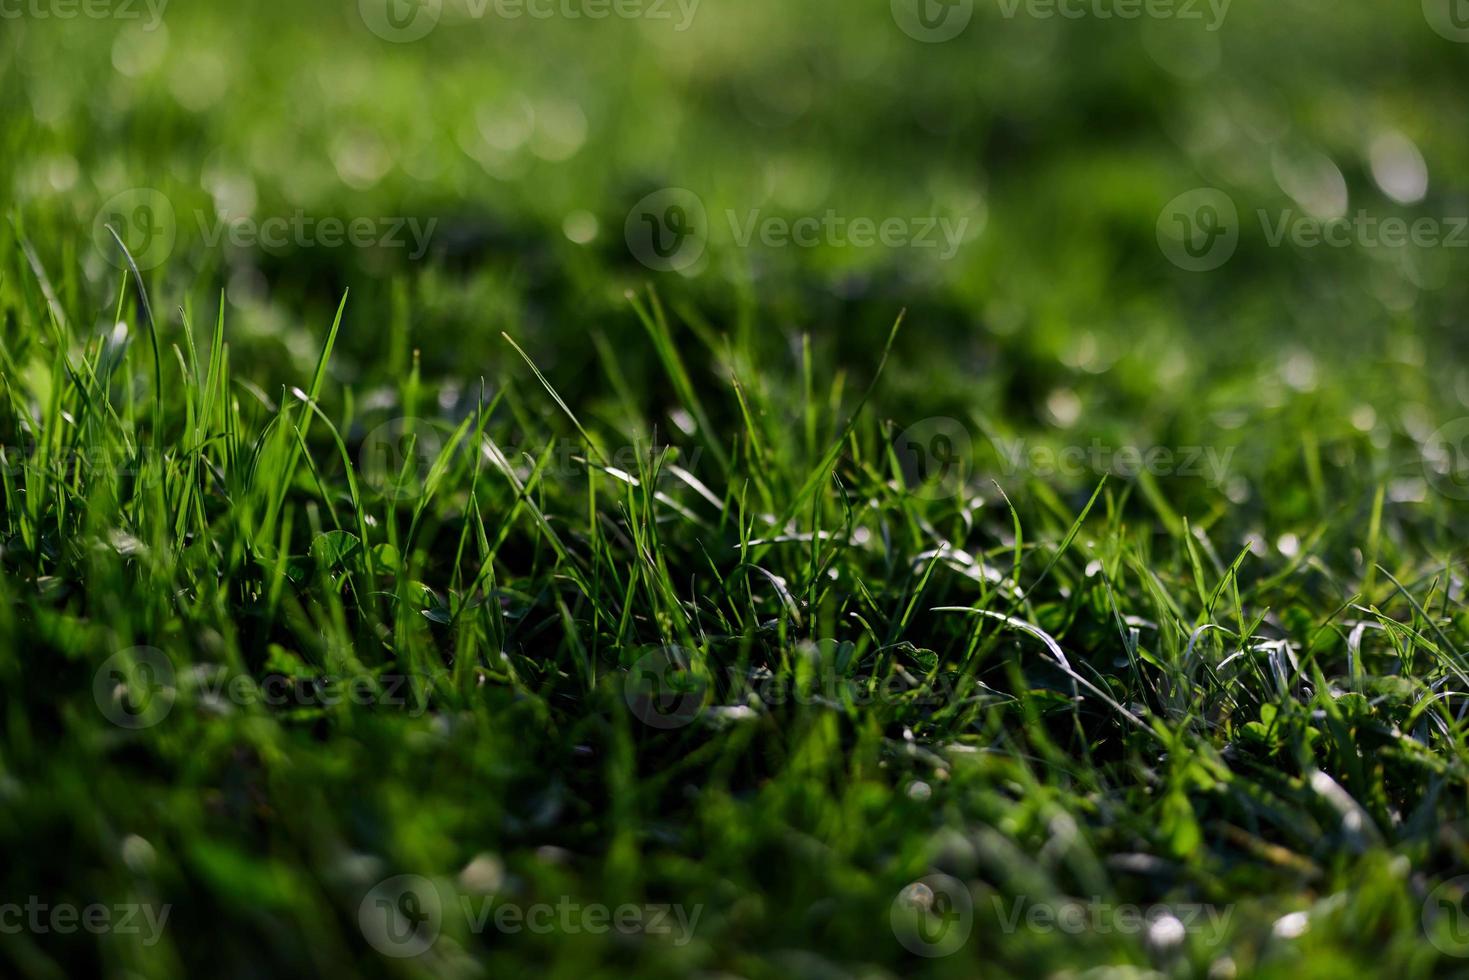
(322, 566)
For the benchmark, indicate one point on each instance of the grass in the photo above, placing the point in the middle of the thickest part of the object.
(744, 597)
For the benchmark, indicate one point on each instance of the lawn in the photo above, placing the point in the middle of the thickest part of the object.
(666, 488)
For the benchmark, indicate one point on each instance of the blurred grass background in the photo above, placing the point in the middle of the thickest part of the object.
(1057, 141)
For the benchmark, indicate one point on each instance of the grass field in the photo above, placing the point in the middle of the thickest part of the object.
(655, 488)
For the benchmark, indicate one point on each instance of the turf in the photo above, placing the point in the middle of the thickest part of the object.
(768, 597)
